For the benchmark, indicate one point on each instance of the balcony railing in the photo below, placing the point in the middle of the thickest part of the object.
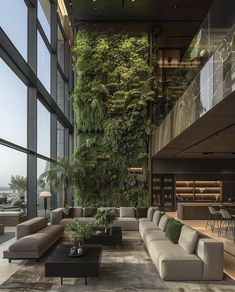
(212, 84)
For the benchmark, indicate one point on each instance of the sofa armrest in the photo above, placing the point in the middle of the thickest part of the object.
(211, 252)
(56, 216)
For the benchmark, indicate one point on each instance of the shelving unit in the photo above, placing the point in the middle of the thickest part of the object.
(163, 192)
(199, 190)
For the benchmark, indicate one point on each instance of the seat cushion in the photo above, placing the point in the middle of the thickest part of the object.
(163, 222)
(152, 235)
(173, 263)
(127, 224)
(141, 212)
(89, 212)
(127, 212)
(188, 239)
(144, 220)
(65, 221)
(173, 230)
(39, 240)
(144, 226)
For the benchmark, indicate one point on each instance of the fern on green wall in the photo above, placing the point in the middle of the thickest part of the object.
(114, 87)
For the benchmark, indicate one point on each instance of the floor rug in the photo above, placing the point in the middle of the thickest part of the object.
(123, 269)
(6, 236)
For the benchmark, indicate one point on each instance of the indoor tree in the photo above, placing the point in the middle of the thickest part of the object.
(62, 175)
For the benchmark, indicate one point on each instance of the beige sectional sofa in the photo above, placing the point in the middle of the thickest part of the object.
(195, 257)
(33, 238)
(126, 217)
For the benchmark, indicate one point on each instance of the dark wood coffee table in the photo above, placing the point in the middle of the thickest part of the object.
(106, 239)
(60, 264)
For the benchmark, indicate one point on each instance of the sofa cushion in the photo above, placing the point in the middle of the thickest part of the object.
(173, 263)
(65, 221)
(90, 212)
(141, 212)
(127, 224)
(150, 213)
(152, 235)
(30, 226)
(157, 216)
(173, 230)
(144, 220)
(76, 212)
(144, 226)
(127, 212)
(163, 222)
(188, 239)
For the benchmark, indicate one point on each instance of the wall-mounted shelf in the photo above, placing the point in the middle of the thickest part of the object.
(199, 190)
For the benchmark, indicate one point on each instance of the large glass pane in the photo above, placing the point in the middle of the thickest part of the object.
(43, 63)
(60, 48)
(60, 140)
(13, 20)
(13, 180)
(43, 130)
(41, 187)
(44, 16)
(60, 91)
(13, 107)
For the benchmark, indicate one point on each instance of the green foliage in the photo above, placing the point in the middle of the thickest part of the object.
(114, 89)
(63, 174)
(105, 218)
(78, 230)
(18, 184)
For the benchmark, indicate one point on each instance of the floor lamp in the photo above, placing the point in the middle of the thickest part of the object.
(45, 195)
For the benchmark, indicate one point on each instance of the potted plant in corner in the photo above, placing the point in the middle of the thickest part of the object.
(78, 232)
(105, 218)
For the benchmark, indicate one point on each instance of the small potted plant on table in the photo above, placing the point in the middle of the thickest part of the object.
(105, 218)
(78, 232)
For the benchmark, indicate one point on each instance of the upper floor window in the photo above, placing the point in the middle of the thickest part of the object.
(44, 17)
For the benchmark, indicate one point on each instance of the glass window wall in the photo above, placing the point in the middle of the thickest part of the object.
(14, 22)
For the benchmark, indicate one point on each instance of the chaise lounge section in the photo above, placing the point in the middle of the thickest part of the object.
(34, 238)
(194, 256)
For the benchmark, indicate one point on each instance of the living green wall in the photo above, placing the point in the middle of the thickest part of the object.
(114, 89)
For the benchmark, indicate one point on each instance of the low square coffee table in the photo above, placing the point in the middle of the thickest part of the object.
(106, 239)
(60, 264)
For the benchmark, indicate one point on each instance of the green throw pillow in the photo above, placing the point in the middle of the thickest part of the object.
(173, 230)
(141, 212)
(90, 212)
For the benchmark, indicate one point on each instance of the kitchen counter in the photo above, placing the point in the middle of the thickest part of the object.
(198, 210)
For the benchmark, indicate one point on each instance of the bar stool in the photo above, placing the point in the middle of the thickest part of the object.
(213, 218)
(226, 221)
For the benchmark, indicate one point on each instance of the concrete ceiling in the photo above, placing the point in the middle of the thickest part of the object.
(178, 20)
(212, 136)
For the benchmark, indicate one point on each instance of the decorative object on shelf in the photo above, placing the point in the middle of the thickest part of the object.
(78, 232)
(105, 218)
(45, 195)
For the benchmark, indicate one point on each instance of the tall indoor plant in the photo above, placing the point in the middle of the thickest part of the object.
(62, 175)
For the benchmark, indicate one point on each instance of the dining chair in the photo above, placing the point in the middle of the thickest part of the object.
(227, 221)
(213, 218)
